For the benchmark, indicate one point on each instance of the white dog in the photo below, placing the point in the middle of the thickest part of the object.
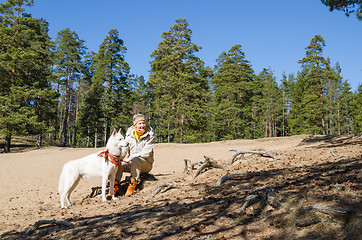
(102, 164)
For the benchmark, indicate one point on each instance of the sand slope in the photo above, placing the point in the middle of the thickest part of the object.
(29, 182)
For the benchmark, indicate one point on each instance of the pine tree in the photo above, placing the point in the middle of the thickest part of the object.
(25, 95)
(232, 86)
(346, 111)
(179, 85)
(140, 95)
(357, 120)
(90, 113)
(83, 125)
(270, 103)
(286, 87)
(308, 110)
(68, 67)
(111, 77)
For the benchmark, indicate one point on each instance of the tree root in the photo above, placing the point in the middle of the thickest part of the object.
(243, 151)
(43, 222)
(163, 187)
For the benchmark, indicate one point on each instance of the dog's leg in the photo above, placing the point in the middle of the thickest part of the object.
(61, 189)
(71, 190)
(112, 177)
(104, 183)
(69, 181)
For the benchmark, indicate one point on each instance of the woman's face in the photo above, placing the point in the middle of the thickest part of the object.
(140, 126)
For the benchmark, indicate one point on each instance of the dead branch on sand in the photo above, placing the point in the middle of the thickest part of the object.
(43, 222)
(336, 155)
(307, 222)
(327, 210)
(243, 151)
(163, 187)
(190, 165)
(240, 176)
(340, 215)
(208, 163)
(267, 197)
(95, 191)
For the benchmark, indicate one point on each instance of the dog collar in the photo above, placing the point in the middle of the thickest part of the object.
(114, 158)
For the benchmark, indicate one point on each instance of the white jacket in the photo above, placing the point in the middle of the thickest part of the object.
(144, 147)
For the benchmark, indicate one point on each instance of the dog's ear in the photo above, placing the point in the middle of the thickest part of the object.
(120, 130)
(114, 132)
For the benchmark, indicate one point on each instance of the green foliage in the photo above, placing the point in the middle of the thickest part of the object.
(308, 110)
(54, 86)
(25, 95)
(347, 6)
(232, 86)
(68, 69)
(108, 103)
(179, 86)
(357, 121)
(269, 105)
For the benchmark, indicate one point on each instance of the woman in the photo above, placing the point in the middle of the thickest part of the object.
(141, 142)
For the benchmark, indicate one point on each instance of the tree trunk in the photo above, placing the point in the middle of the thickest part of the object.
(75, 121)
(67, 131)
(61, 125)
(95, 138)
(56, 121)
(88, 137)
(323, 120)
(338, 120)
(7, 145)
(39, 140)
(65, 128)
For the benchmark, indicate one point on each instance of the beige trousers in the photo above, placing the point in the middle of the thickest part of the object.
(136, 166)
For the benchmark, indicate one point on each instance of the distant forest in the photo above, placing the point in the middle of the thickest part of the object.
(59, 91)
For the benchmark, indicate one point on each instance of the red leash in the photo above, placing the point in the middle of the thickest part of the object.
(107, 154)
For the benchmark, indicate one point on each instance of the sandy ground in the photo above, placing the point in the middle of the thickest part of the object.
(29, 180)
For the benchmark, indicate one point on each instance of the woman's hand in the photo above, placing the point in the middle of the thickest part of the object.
(126, 159)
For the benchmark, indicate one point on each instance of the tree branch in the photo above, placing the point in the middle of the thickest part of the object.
(243, 151)
(163, 187)
(208, 163)
(43, 222)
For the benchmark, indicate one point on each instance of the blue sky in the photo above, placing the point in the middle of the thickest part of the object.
(273, 34)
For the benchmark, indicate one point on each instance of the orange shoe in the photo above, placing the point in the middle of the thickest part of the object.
(131, 187)
(115, 189)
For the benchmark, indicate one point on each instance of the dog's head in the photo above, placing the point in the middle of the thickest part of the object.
(116, 144)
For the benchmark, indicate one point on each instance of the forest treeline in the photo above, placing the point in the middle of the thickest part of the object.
(60, 91)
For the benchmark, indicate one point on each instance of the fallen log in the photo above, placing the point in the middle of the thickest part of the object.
(163, 187)
(43, 222)
(243, 151)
